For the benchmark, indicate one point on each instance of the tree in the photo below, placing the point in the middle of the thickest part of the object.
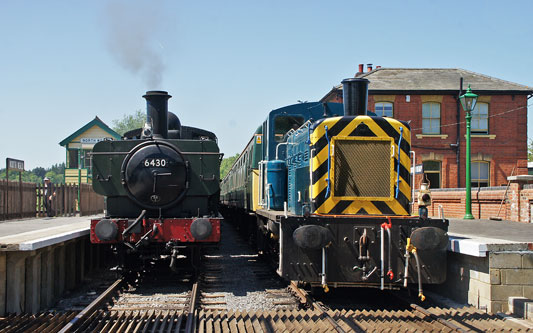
(39, 172)
(129, 122)
(226, 165)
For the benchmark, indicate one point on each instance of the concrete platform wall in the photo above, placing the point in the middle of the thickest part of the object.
(31, 281)
(488, 282)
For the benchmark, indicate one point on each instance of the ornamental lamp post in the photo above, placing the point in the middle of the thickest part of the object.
(468, 101)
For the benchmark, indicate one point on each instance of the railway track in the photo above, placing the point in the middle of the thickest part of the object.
(235, 292)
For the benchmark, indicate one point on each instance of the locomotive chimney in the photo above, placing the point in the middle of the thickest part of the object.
(157, 112)
(355, 96)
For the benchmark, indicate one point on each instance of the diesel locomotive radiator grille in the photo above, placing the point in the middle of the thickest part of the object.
(362, 168)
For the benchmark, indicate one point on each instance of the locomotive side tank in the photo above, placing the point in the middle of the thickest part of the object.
(346, 219)
(161, 185)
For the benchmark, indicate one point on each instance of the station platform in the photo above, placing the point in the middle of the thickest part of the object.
(490, 264)
(479, 237)
(33, 234)
(42, 258)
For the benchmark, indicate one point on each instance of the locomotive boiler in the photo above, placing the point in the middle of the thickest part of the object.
(324, 190)
(161, 184)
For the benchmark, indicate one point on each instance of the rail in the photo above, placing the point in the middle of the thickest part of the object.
(308, 300)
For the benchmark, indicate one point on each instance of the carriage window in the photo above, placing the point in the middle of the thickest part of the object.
(283, 124)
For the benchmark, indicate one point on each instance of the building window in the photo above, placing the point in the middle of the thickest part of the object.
(432, 173)
(73, 158)
(480, 118)
(431, 118)
(384, 109)
(87, 159)
(479, 171)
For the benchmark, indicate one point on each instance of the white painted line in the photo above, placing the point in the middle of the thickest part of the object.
(467, 246)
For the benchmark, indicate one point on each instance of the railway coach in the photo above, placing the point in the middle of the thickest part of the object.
(324, 190)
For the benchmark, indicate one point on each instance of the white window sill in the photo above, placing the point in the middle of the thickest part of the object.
(442, 136)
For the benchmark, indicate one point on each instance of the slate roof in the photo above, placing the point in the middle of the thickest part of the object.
(427, 80)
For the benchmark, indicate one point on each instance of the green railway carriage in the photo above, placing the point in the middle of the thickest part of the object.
(325, 191)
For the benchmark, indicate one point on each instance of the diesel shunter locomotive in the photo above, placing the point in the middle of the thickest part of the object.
(162, 187)
(324, 190)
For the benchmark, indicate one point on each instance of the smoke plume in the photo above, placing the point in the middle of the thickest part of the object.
(131, 31)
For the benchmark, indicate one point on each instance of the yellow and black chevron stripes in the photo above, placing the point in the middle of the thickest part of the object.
(361, 128)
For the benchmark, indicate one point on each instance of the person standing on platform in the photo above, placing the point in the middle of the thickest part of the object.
(49, 194)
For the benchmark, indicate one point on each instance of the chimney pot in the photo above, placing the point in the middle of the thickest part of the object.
(377, 67)
(369, 67)
(361, 68)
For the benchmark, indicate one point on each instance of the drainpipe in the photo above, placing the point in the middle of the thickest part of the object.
(458, 142)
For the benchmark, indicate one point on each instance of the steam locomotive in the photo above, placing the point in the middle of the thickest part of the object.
(324, 190)
(162, 188)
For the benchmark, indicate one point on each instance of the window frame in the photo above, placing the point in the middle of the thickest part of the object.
(382, 113)
(477, 181)
(431, 118)
(439, 172)
(478, 118)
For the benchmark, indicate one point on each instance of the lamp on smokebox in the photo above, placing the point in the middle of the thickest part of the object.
(468, 101)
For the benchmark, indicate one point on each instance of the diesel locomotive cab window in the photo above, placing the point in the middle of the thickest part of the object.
(283, 124)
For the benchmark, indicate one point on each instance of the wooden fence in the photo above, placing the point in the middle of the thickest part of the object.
(28, 200)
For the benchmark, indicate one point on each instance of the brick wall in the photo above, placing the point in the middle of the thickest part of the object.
(515, 205)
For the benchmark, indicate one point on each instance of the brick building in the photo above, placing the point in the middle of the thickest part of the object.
(428, 98)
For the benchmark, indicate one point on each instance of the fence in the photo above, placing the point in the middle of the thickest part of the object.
(24, 201)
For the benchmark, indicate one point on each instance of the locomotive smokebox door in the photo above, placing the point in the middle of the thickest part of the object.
(155, 175)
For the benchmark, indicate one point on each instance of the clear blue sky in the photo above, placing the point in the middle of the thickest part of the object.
(226, 63)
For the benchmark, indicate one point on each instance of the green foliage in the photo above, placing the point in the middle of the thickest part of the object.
(226, 164)
(530, 151)
(56, 173)
(129, 122)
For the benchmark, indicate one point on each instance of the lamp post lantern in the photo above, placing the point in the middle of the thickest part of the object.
(468, 100)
